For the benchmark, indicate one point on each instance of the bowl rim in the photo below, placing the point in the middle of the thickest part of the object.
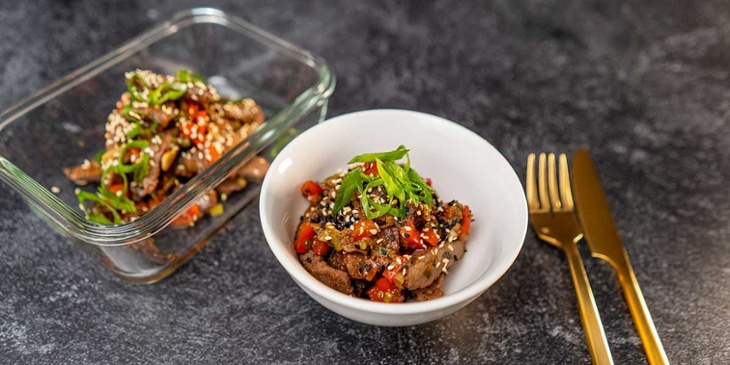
(70, 221)
(303, 278)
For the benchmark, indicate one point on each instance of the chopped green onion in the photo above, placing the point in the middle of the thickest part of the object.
(85, 195)
(187, 76)
(401, 183)
(141, 144)
(137, 130)
(133, 91)
(350, 182)
(98, 218)
(168, 91)
(396, 155)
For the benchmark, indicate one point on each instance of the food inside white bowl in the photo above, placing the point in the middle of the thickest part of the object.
(462, 166)
(379, 231)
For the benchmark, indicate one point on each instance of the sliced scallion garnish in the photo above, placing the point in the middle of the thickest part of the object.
(401, 183)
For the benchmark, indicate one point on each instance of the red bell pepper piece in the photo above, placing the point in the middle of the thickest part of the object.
(370, 168)
(385, 291)
(304, 234)
(312, 191)
(188, 218)
(394, 268)
(429, 235)
(466, 220)
(114, 188)
(320, 248)
(364, 229)
(410, 236)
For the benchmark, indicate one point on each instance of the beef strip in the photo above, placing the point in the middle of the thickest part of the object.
(208, 201)
(456, 254)
(335, 279)
(255, 169)
(89, 171)
(245, 110)
(231, 185)
(359, 266)
(432, 291)
(389, 238)
(422, 272)
(159, 116)
(190, 163)
(337, 260)
(418, 213)
(149, 183)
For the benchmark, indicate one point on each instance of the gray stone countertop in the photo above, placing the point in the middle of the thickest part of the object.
(644, 84)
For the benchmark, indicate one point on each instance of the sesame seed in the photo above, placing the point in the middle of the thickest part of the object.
(55, 189)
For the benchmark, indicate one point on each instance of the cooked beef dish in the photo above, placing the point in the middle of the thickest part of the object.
(379, 231)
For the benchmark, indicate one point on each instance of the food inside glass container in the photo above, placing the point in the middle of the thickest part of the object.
(164, 131)
(379, 231)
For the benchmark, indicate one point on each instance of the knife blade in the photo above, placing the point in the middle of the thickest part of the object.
(605, 243)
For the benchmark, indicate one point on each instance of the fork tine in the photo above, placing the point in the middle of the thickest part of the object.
(553, 182)
(565, 190)
(531, 188)
(542, 182)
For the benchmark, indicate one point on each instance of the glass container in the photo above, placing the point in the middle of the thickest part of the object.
(63, 124)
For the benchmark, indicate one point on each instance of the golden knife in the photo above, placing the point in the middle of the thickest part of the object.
(602, 236)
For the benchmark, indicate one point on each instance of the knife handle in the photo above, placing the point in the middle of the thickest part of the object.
(592, 325)
(640, 313)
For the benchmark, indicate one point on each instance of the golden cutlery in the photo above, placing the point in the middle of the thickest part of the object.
(553, 219)
(605, 243)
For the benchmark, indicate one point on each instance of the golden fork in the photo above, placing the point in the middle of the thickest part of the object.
(552, 215)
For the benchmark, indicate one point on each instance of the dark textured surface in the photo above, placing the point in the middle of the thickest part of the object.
(644, 84)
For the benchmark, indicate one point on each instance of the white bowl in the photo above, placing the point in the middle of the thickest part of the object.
(462, 165)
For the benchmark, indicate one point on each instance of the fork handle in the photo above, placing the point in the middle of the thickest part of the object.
(589, 316)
